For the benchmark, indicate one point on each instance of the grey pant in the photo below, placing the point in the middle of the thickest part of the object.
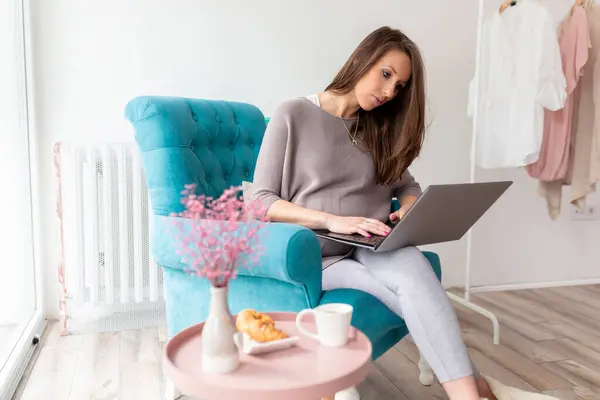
(405, 282)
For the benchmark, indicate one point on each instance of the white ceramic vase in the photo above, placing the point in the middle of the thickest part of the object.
(220, 355)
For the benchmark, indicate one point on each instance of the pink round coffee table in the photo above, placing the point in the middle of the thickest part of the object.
(304, 371)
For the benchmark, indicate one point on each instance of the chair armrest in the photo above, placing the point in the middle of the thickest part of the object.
(290, 253)
(395, 206)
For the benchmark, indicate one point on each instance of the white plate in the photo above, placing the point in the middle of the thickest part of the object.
(249, 346)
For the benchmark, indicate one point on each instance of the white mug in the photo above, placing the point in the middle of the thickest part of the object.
(332, 321)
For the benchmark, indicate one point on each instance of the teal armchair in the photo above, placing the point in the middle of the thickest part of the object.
(214, 144)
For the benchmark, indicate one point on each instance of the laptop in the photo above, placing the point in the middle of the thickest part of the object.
(442, 213)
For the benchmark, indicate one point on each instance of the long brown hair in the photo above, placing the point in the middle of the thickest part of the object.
(392, 133)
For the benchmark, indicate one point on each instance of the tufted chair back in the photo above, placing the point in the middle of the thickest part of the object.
(213, 144)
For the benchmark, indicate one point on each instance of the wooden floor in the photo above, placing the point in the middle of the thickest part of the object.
(550, 344)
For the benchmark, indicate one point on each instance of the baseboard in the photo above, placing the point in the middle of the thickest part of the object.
(540, 285)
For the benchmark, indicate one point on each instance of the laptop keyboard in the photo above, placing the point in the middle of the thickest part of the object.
(373, 240)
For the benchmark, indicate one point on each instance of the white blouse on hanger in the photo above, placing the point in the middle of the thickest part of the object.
(519, 74)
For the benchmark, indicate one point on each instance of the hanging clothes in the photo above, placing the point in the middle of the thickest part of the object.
(574, 42)
(580, 61)
(519, 73)
(589, 4)
(594, 168)
(585, 168)
(583, 173)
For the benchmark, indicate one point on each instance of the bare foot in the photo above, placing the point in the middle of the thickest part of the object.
(327, 398)
(484, 389)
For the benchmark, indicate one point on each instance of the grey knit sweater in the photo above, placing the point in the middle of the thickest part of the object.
(307, 158)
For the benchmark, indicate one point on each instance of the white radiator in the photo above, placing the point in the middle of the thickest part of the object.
(108, 278)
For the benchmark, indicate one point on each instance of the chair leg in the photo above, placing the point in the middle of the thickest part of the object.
(171, 392)
(425, 372)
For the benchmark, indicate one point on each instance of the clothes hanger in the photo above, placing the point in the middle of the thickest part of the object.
(507, 4)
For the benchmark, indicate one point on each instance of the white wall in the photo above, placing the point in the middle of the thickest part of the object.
(92, 57)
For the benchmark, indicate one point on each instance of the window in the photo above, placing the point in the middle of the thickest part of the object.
(20, 316)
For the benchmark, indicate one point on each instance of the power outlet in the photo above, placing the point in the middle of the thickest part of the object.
(589, 213)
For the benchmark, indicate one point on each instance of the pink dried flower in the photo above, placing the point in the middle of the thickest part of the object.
(223, 235)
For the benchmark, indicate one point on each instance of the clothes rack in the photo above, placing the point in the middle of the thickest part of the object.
(466, 299)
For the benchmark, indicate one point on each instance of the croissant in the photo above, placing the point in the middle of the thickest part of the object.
(258, 326)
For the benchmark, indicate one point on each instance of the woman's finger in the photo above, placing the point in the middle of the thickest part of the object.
(397, 216)
(376, 229)
(385, 227)
(363, 232)
(381, 227)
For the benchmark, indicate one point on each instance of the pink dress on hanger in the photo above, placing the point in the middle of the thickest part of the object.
(574, 44)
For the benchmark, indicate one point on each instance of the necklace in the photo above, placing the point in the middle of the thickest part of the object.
(353, 138)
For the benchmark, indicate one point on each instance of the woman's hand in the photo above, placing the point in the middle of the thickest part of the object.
(395, 217)
(407, 203)
(363, 226)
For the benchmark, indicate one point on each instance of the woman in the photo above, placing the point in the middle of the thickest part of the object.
(335, 159)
